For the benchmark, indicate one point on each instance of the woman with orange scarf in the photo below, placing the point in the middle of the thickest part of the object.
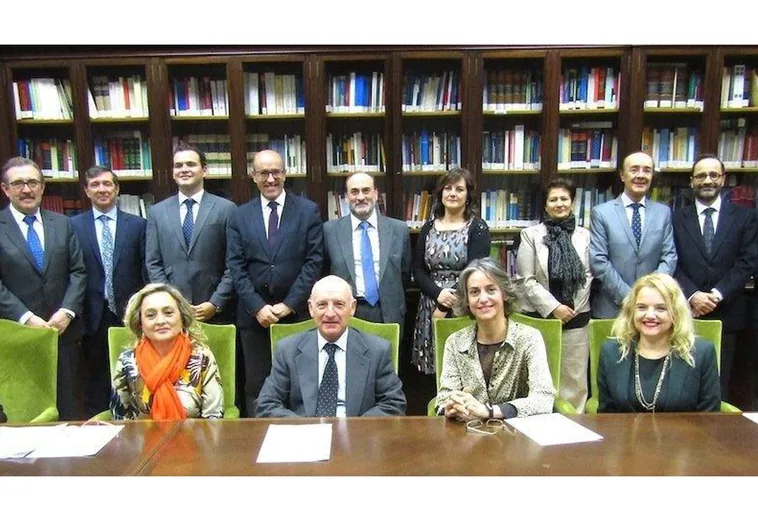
(169, 374)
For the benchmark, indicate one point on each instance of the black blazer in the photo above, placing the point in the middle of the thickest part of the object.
(733, 259)
(684, 388)
(285, 272)
(129, 271)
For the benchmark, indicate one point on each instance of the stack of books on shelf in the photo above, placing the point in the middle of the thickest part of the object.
(431, 150)
(43, 99)
(117, 97)
(585, 199)
(336, 203)
(671, 148)
(515, 208)
(125, 152)
(418, 207)
(57, 203)
(513, 149)
(508, 90)
(504, 250)
(56, 157)
(589, 88)
(431, 92)
(738, 147)
(347, 152)
(217, 149)
(587, 145)
(268, 93)
(355, 93)
(739, 87)
(673, 86)
(135, 204)
(290, 147)
(198, 97)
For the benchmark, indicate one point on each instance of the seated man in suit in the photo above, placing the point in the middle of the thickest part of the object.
(333, 370)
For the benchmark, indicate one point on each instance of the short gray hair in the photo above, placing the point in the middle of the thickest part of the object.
(492, 269)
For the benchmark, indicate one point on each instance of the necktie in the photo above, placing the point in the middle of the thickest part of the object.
(273, 222)
(636, 223)
(708, 230)
(35, 246)
(189, 223)
(107, 255)
(326, 406)
(371, 290)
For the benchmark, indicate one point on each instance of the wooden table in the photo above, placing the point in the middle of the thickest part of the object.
(643, 444)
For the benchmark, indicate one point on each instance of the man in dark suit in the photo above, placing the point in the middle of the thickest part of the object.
(113, 245)
(189, 252)
(333, 371)
(275, 256)
(717, 250)
(42, 274)
(371, 252)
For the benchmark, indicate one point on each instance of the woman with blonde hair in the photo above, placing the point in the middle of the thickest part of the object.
(654, 361)
(169, 373)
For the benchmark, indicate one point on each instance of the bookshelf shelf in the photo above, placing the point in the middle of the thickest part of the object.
(590, 112)
(674, 170)
(121, 120)
(218, 177)
(587, 170)
(345, 174)
(62, 180)
(685, 110)
(511, 113)
(430, 114)
(510, 172)
(296, 176)
(299, 116)
(739, 110)
(429, 173)
(355, 115)
(742, 170)
(198, 118)
(36, 122)
(135, 178)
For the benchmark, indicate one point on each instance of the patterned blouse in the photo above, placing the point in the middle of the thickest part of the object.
(520, 373)
(198, 387)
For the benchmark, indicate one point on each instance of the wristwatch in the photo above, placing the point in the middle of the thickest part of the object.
(489, 409)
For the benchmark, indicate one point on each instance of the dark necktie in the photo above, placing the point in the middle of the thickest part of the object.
(326, 406)
(371, 290)
(35, 246)
(273, 222)
(107, 256)
(189, 223)
(708, 230)
(636, 222)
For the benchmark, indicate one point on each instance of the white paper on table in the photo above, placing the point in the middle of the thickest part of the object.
(296, 443)
(55, 441)
(751, 416)
(553, 428)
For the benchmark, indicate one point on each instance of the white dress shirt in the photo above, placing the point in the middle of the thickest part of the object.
(112, 221)
(340, 358)
(267, 210)
(373, 236)
(183, 208)
(630, 211)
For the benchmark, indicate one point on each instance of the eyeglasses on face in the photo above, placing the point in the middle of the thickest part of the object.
(700, 177)
(265, 174)
(19, 184)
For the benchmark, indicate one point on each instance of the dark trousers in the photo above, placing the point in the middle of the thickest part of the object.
(68, 396)
(94, 372)
(728, 346)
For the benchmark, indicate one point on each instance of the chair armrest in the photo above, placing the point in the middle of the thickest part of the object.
(103, 415)
(431, 409)
(562, 406)
(726, 407)
(231, 412)
(49, 415)
(591, 406)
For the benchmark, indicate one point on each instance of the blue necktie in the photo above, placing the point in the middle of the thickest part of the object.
(35, 247)
(371, 290)
(273, 222)
(326, 406)
(107, 256)
(708, 231)
(636, 222)
(189, 223)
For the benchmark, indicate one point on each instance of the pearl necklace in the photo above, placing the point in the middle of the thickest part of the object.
(650, 406)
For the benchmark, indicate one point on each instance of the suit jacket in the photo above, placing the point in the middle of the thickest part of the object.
(371, 386)
(198, 271)
(285, 272)
(62, 281)
(532, 266)
(684, 388)
(129, 271)
(615, 260)
(394, 261)
(733, 259)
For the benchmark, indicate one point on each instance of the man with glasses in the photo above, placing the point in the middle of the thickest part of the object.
(275, 257)
(42, 275)
(630, 236)
(717, 250)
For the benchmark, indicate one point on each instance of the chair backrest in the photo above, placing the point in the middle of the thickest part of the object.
(441, 330)
(388, 331)
(28, 370)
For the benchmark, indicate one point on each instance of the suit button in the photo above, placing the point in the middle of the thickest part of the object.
(271, 266)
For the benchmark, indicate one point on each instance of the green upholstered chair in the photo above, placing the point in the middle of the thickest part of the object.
(600, 330)
(28, 372)
(388, 331)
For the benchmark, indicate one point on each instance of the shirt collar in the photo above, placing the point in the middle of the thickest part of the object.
(341, 341)
(628, 200)
(700, 207)
(373, 220)
(197, 197)
(279, 200)
(111, 214)
(19, 216)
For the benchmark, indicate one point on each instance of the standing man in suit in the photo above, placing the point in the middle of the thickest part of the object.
(717, 250)
(630, 236)
(42, 275)
(275, 255)
(113, 245)
(371, 252)
(333, 371)
(190, 251)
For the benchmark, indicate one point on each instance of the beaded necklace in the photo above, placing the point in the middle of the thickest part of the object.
(650, 406)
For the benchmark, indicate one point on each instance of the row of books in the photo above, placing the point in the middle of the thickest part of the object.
(337, 205)
(195, 96)
(431, 150)
(290, 147)
(512, 90)
(585, 199)
(671, 148)
(431, 92)
(136, 204)
(349, 152)
(268, 93)
(355, 92)
(62, 205)
(502, 208)
(117, 97)
(589, 88)
(512, 149)
(738, 147)
(673, 86)
(56, 157)
(739, 87)
(583, 148)
(217, 149)
(125, 152)
(505, 252)
(43, 99)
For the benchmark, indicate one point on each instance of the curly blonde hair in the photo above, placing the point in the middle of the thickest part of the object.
(682, 338)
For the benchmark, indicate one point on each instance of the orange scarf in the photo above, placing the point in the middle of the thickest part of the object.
(160, 373)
